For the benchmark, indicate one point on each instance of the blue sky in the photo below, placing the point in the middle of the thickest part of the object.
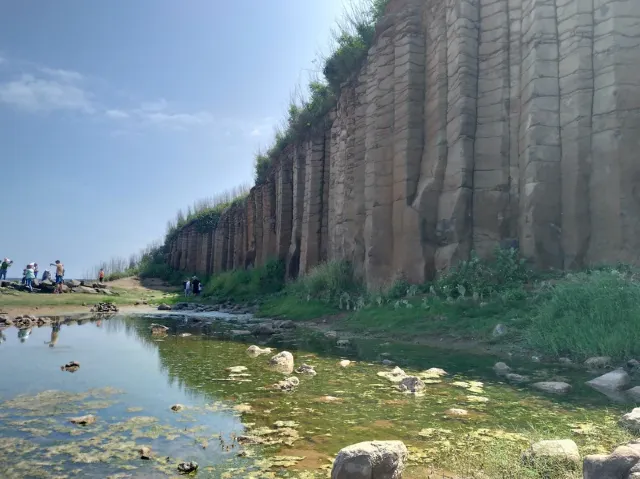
(115, 114)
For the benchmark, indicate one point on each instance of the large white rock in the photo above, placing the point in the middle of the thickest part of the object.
(631, 421)
(371, 460)
(282, 362)
(616, 380)
(562, 450)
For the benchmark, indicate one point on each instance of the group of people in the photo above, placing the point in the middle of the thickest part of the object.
(30, 272)
(192, 286)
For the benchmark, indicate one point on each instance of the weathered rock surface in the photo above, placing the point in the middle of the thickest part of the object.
(371, 460)
(255, 351)
(411, 384)
(614, 380)
(306, 369)
(631, 421)
(164, 307)
(470, 125)
(622, 463)
(553, 387)
(83, 420)
(598, 362)
(563, 452)
(287, 384)
(395, 376)
(187, 467)
(282, 362)
(501, 369)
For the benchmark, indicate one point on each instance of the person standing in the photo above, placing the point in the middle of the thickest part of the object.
(195, 282)
(101, 275)
(4, 266)
(59, 275)
(35, 270)
(29, 277)
(187, 288)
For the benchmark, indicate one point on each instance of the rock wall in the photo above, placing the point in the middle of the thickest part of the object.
(472, 123)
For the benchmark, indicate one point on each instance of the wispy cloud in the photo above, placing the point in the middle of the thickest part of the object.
(33, 94)
(117, 114)
(66, 76)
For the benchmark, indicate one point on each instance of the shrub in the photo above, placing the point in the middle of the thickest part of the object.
(485, 277)
(244, 285)
(589, 315)
(327, 282)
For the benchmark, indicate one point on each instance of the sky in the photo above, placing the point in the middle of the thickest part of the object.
(113, 115)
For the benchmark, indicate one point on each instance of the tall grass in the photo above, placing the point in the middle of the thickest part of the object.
(245, 285)
(588, 315)
(327, 282)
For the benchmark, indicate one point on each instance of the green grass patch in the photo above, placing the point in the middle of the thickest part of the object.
(291, 307)
(245, 285)
(589, 315)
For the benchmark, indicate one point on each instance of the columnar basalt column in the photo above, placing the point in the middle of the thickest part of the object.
(293, 258)
(259, 226)
(312, 206)
(284, 203)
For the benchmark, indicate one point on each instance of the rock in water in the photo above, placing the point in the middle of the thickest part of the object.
(614, 380)
(306, 369)
(371, 460)
(395, 376)
(282, 362)
(516, 378)
(71, 366)
(501, 369)
(631, 421)
(499, 330)
(187, 467)
(553, 387)
(599, 362)
(83, 420)
(562, 452)
(634, 393)
(411, 384)
(164, 307)
(145, 452)
(177, 407)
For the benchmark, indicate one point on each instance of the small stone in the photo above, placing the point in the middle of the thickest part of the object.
(306, 369)
(516, 378)
(71, 366)
(411, 384)
(598, 362)
(164, 307)
(331, 334)
(501, 369)
(456, 412)
(145, 452)
(345, 363)
(83, 420)
(387, 362)
(236, 369)
(255, 351)
(565, 361)
(553, 387)
(187, 467)
(343, 343)
(177, 407)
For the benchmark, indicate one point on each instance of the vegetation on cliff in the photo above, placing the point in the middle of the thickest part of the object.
(351, 41)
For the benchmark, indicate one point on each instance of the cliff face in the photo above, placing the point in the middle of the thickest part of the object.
(472, 123)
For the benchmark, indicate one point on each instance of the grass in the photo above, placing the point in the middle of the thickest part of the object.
(589, 314)
(246, 285)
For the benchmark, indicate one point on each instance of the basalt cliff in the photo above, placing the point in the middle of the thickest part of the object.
(471, 124)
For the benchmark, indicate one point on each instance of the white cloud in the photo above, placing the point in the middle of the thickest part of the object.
(158, 105)
(179, 121)
(117, 114)
(66, 76)
(33, 94)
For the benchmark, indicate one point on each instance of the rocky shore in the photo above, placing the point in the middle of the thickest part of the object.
(70, 286)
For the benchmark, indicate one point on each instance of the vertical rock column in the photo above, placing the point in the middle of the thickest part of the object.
(540, 146)
(192, 258)
(211, 237)
(326, 178)
(220, 245)
(434, 155)
(284, 204)
(240, 246)
(312, 206)
(259, 225)
(614, 191)
(299, 162)
(182, 247)
(203, 253)
(575, 27)
(408, 137)
(269, 220)
(455, 206)
(250, 231)
(491, 185)
(230, 239)
(378, 188)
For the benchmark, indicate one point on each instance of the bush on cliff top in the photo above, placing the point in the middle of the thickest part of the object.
(351, 42)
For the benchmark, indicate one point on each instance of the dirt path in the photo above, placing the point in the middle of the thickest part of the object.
(145, 285)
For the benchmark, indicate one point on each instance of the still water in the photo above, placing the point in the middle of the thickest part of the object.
(129, 379)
